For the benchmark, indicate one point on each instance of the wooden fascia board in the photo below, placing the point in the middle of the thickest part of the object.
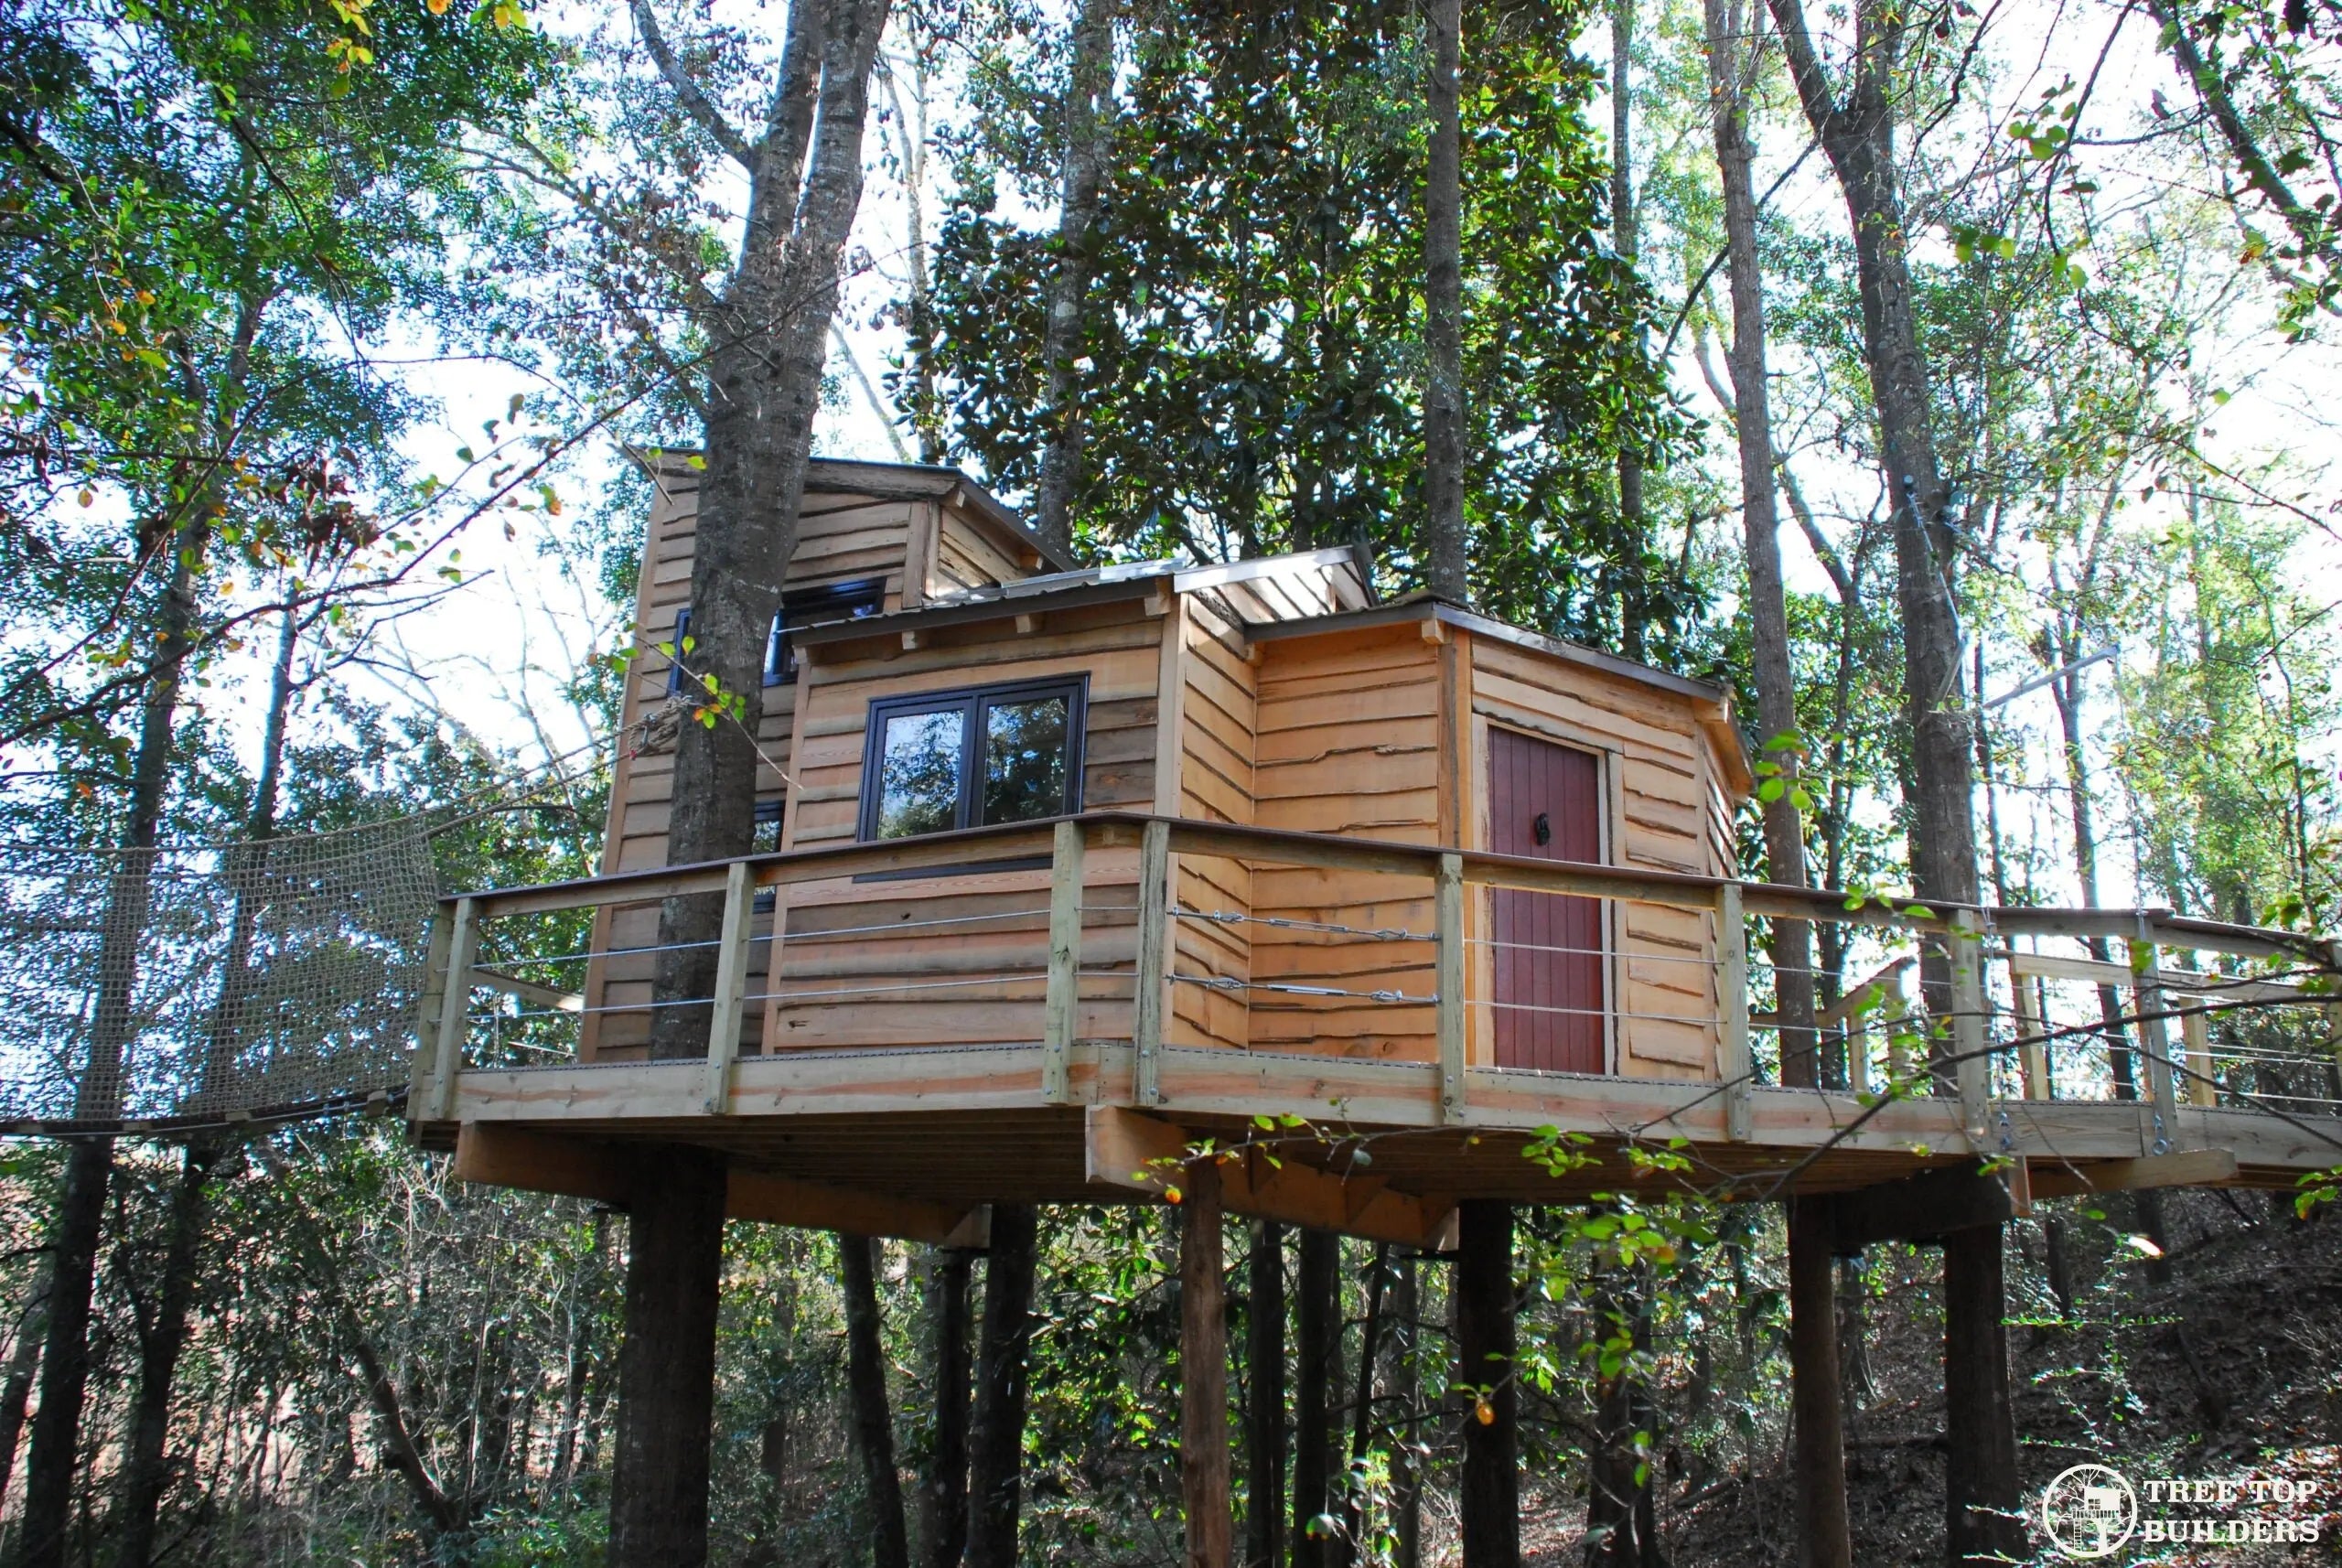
(1134, 1151)
(501, 1155)
(974, 612)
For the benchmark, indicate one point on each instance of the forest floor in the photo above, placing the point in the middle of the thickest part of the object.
(2230, 1369)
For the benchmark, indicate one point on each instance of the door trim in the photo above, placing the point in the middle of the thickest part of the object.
(1609, 754)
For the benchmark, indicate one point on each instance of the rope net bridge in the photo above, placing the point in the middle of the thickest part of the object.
(181, 988)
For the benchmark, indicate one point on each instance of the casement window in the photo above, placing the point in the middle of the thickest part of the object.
(975, 756)
(800, 607)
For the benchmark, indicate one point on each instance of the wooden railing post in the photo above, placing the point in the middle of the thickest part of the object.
(2032, 1049)
(2154, 1037)
(1733, 1061)
(1448, 928)
(1063, 1003)
(1970, 1040)
(724, 1015)
(454, 1002)
(426, 1010)
(2196, 1029)
(1154, 971)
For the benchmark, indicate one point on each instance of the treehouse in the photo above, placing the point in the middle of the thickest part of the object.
(1062, 873)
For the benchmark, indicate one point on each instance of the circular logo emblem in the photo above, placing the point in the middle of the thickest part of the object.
(2090, 1511)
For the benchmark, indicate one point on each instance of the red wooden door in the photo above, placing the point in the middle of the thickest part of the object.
(1546, 800)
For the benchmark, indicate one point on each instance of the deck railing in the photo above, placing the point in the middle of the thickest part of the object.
(1091, 927)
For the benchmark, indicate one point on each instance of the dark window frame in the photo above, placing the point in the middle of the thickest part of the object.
(800, 607)
(971, 702)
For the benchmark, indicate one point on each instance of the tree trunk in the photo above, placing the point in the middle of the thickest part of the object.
(1625, 239)
(1203, 1372)
(1089, 136)
(1821, 1438)
(1818, 1399)
(76, 1231)
(1444, 549)
(1264, 1377)
(1316, 1352)
(146, 1468)
(947, 1485)
(997, 1443)
(1621, 1514)
(1488, 1508)
(1982, 1520)
(674, 1276)
(1369, 1346)
(2066, 692)
(874, 1419)
(1407, 1459)
(1858, 135)
(17, 1392)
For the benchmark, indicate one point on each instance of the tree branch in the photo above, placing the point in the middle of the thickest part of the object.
(694, 102)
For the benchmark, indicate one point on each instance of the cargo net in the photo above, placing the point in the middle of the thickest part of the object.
(179, 988)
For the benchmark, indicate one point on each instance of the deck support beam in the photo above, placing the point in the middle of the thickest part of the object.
(502, 1156)
(2191, 1167)
(724, 1015)
(1204, 1464)
(1488, 1506)
(1139, 1153)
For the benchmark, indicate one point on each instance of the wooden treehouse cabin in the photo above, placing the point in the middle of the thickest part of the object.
(1061, 873)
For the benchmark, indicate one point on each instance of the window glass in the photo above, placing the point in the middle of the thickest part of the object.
(1024, 756)
(918, 773)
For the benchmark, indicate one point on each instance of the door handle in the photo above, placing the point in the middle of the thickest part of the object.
(1542, 829)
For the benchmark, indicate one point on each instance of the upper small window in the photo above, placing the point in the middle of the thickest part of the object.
(972, 758)
(802, 607)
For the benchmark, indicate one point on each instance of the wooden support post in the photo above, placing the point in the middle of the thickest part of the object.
(1816, 1393)
(2196, 1028)
(1734, 1062)
(731, 985)
(1971, 1067)
(1203, 1372)
(2154, 1038)
(1154, 971)
(1063, 1005)
(422, 1070)
(1449, 928)
(454, 1003)
(1489, 1501)
(1894, 1020)
(2032, 1048)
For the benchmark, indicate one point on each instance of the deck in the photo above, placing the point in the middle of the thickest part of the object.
(1066, 1060)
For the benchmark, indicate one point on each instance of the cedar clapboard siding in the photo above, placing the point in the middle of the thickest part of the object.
(1666, 816)
(1347, 743)
(1217, 713)
(844, 536)
(842, 983)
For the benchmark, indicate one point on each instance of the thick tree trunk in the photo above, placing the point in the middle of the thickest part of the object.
(1265, 1380)
(1369, 1349)
(996, 1445)
(874, 1415)
(947, 1482)
(1858, 135)
(1088, 137)
(1318, 1359)
(1444, 549)
(674, 1274)
(1488, 1508)
(1982, 1522)
(1203, 1372)
(2066, 692)
(75, 1233)
(768, 344)
(1818, 1399)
